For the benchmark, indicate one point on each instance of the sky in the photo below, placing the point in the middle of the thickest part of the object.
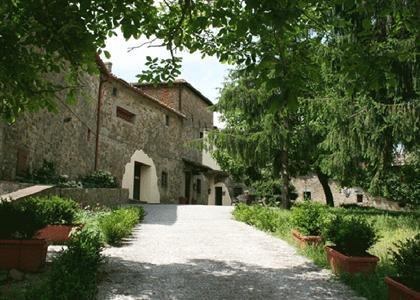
(206, 74)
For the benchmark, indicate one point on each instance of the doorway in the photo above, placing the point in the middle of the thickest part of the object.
(187, 186)
(137, 181)
(219, 195)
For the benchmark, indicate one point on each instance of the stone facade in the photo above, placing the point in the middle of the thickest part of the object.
(66, 137)
(310, 186)
(144, 138)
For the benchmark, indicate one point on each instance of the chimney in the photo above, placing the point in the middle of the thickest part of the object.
(108, 66)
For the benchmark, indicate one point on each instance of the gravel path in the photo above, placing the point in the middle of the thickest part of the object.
(200, 252)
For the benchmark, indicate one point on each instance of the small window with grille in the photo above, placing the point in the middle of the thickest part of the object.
(125, 114)
(164, 180)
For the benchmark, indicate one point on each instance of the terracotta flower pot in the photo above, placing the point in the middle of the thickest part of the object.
(350, 264)
(25, 255)
(56, 233)
(398, 291)
(305, 240)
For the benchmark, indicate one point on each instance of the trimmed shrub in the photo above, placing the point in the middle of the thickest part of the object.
(406, 259)
(99, 179)
(53, 210)
(74, 272)
(16, 222)
(264, 218)
(119, 224)
(351, 235)
(308, 217)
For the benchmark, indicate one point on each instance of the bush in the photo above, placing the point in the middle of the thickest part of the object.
(264, 218)
(308, 217)
(406, 259)
(100, 179)
(16, 222)
(74, 271)
(47, 173)
(351, 235)
(118, 224)
(270, 190)
(53, 210)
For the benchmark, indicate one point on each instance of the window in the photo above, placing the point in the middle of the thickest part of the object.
(307, 195)
(125, 114)
(167, 120)
(201, 134)
(114, 91)
(359, 198)
(88, 134)
(164, 180)
(198, 186)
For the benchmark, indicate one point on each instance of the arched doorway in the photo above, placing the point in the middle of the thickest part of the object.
(140, 178)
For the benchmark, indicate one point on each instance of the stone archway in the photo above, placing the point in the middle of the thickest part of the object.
(149, 190)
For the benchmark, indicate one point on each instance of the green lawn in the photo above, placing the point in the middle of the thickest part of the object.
(391, 226)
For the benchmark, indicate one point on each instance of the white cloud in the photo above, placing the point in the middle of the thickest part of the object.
(207, 74)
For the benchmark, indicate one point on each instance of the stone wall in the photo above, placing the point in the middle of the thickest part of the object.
(88, 197)
(120, 139)
(7, 187)
(341, 195)
(129, 122)
(65, 137)
(199, 119)
(311, 184)
(168, 94)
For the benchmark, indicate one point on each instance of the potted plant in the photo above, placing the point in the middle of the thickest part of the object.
(17, 249)
(307, 219)
(352, 237)
(406, 259)
(57, 216)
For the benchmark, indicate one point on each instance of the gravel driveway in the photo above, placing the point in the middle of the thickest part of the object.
(200, 252)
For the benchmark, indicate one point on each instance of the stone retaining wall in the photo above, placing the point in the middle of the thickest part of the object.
(7, 187)
(90, 197)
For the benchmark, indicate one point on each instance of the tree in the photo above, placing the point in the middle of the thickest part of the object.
(370, 100)
(366, 52)
(42, 40)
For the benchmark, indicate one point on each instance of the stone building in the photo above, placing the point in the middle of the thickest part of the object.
(309, 187)
(142, 134)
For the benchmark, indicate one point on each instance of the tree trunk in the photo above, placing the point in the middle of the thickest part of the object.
(285, 192)
(323, 179)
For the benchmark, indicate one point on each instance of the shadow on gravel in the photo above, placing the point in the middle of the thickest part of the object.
(211, 279)
(160, 214)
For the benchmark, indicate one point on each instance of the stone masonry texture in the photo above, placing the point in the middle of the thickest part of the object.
(67, 136)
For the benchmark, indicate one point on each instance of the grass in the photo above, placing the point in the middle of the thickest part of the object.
(391, 226)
